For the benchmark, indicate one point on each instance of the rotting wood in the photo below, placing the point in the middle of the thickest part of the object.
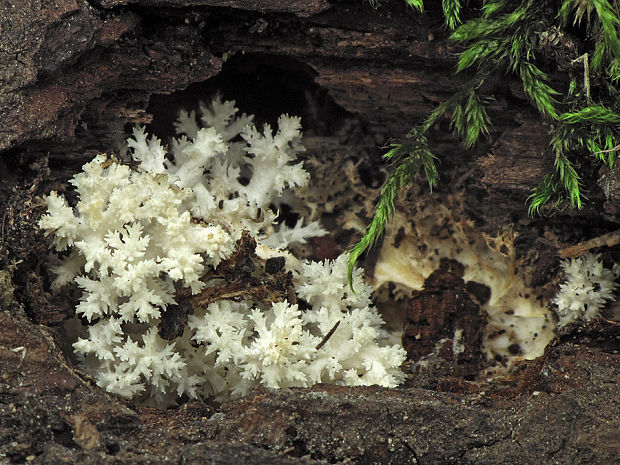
(606, 240)
(72, 76)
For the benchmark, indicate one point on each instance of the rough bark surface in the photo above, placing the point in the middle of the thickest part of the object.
(560, 409)
(435, 313)
(75, 74)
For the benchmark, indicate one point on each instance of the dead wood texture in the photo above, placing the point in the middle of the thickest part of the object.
(75, 74)
(561, 409)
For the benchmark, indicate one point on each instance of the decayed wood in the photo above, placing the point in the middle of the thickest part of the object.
(606, 240)
(59, 60)
(445, 320)
(388, 67)
(515, 161)
(543, 413)
(301, 8)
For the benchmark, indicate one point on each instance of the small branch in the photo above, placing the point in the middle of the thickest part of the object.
(328, 335)
(615, 149)
(606, 240)
(586, 73)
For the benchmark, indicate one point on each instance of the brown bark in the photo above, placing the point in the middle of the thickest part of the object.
(446, 311)
(560, 409)
(75, 73)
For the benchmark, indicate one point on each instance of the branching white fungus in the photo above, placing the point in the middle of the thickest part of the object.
(139, 236)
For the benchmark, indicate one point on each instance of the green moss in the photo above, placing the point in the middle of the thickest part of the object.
(505, 39)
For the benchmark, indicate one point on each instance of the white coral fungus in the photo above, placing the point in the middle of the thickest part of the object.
(588, 287)
(138, 236)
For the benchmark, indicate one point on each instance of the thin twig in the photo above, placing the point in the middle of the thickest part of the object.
(615, 149)
(586, 73)
(608, 240)
(328, 335)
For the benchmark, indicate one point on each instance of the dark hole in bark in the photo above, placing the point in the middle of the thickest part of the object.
(263, 85)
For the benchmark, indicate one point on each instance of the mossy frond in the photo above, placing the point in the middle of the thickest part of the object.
(416, 4)
(569, 179)
(411, 155)
(593, 114)
(537, 89)
(504, 40)
(609, 19)
(490, 26)
(477, 53)
(546, 195)
(556, 189)
(451, 13)
(491, 7)
(580, 9)
(595, 128)
(602, 21)
(470, 118)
